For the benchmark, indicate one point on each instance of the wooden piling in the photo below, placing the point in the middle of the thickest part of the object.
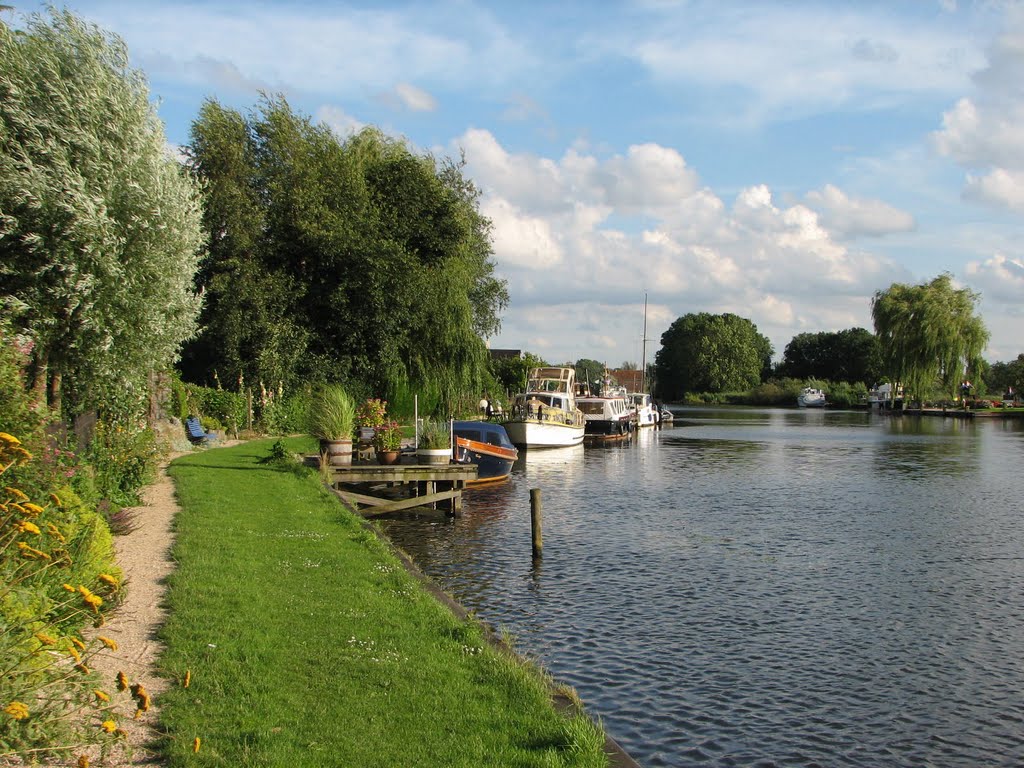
(536, 519)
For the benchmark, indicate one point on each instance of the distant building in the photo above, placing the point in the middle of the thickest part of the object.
(631, 380)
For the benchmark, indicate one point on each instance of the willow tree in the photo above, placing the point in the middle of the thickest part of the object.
(929, 334)
(99, 226)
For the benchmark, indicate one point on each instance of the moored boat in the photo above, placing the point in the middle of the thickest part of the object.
(811, 397)
(607, 416)
(486, 444)
(545, 415)
(644, 413)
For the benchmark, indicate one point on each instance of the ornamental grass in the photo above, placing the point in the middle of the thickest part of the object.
(306, 643)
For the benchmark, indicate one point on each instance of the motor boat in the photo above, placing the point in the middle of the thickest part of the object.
(810, 397)
(545, 415)
(608, 416)
(486, 444)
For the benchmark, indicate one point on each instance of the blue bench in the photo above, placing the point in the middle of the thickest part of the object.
(196, 433)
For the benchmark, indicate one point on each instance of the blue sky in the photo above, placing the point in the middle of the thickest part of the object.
(779, 160)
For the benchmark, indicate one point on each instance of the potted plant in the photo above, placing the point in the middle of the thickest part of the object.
(370, 417)
(332, 419)
(387, 440)
(435, 443)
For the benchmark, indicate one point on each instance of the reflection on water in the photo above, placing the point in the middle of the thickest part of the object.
(767, 586)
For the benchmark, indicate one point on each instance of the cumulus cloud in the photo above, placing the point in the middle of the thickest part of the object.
(415, 99)
(339, 121)
(999, 278)
(615, 227)
(981, 132)
(849, 218)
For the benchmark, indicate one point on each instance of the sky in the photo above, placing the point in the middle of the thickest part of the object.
(782, 161)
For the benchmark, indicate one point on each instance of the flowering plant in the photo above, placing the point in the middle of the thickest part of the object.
(371, 413)
(388, 436)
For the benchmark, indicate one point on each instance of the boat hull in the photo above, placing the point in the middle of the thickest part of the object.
(487, 445)
(607, 429)
(530, 433)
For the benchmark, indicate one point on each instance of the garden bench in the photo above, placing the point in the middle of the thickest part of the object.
(196, 433)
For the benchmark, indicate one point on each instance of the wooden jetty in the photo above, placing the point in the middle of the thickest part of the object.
(379, 489)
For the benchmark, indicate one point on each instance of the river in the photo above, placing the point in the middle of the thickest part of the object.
(767, 587)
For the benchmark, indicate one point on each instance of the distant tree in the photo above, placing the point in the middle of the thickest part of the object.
(511, 372)
(628, 366)
(929, 335)
(1002, 376)
(99, 225)
(851, 355)
(710, 353)
(589, 371)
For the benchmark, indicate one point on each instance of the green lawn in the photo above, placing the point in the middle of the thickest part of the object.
(309, 645)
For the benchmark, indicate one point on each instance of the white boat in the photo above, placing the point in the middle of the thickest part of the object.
(607, 416)
(644, 412)
(810, 397)
(546, 415)
(879, 396)
(667, 417)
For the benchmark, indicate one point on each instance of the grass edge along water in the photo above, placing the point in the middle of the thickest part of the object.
(307, 643)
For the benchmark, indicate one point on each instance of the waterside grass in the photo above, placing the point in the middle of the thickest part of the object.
(306, 643)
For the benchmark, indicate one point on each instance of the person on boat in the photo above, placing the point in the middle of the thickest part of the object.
(485, 405)
(489, 408)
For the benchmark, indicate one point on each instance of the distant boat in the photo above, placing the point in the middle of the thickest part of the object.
(644, 413)
(667, 417)
(487, 445)
(545, 415)
(607, 416)
(810, 397)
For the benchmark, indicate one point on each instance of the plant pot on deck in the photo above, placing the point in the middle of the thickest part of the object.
(388, 457)
(439, 456)
(339, 452)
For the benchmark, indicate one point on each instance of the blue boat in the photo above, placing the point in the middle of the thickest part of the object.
(486, 444)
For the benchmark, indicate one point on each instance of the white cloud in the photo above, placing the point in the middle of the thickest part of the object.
(339, 121)
(849, 218)
(415, 99)
(982, 132)
(999, 278)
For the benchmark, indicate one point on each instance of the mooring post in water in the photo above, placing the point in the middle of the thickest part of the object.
(536, 516)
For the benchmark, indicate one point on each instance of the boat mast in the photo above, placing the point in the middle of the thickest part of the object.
(643, 363)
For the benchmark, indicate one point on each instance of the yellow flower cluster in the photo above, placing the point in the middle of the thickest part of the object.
(16, 709)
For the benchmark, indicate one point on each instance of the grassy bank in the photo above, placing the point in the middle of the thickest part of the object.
(307, 644)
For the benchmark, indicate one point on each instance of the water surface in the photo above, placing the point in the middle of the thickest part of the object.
(767, 587)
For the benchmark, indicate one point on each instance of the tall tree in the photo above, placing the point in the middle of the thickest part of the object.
(710, 353)
(99, 226)
(930, 335)
(851, 355)
(378, 255)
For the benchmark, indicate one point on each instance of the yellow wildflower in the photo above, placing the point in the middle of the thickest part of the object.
(122, 681)
(27, 527)
(111, 644)
(56, 500)
(17, 710)
(77, 643)
(69, 588)
(83, 669)
(9, 439)
(109, 580)
(109, 726)
(16, 494)
(93, 601)
(141, 696)
(188, 679)
(45, 639)
(75, 654)
(100, 695)
(32, 509)
(54, 531)
(31, 553)
(195, 744)
(83, 761)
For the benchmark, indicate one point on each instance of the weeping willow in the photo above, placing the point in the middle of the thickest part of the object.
(929, 334)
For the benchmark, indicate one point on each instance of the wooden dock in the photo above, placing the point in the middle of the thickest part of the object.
(379, 489)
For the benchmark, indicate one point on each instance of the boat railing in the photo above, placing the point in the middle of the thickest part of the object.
(547, 414)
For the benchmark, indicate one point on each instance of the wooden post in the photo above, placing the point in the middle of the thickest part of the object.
(536, 518)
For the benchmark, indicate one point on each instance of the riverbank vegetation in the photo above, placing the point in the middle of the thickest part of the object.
(306, 643)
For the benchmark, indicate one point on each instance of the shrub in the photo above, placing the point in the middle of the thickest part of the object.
(435, 435)
(332, 413)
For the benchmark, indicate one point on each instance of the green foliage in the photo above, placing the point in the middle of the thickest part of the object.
(100, 228)
(354, 262)
(852, 355)
(929, 335)
(332, 413)
(512, 372)
(712, 353)
(1001, 376)
(123, 456)
(434, 435)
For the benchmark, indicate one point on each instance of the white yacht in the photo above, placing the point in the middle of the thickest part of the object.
(810, 397)
(608, 416)
(546, 415)
(644, 412)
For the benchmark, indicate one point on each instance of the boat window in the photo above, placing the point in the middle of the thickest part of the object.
(591, 408)
(468, 434)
